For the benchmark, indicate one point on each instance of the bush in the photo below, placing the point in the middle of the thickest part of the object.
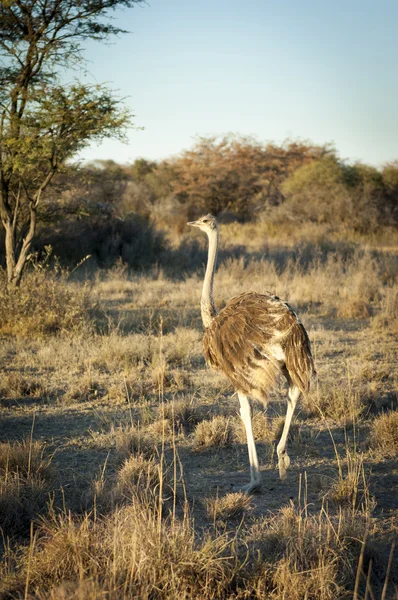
(45, 303)
(329, 191)
(105, 238)
(235, 173)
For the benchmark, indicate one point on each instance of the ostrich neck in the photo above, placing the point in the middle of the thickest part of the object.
(207, 307)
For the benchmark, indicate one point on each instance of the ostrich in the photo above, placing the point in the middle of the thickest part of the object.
(253, 339)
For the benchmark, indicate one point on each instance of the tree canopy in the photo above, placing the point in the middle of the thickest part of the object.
(44, 122)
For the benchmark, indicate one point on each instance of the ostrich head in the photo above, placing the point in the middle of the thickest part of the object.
(207, 223)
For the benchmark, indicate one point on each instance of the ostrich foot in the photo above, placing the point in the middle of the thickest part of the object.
(283, 464)
(249, 488)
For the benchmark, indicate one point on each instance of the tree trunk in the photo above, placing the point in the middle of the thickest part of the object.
(26, 246)
(10, 251)
(16, 263)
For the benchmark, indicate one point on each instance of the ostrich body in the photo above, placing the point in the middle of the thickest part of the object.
(252, 340)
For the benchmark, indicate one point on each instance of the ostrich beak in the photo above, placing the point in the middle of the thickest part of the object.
(193, 223)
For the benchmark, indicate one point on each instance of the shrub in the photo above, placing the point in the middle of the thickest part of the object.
(232, 173)
(105, 239)
(329, 191)
(45, 303)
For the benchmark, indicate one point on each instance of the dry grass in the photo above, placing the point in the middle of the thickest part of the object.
(139, 479)
(219, 432)
(305, 556)
(132, 553)
(20, 385)
(127, 439)
(26, 480)
(135, 552)
(387, 315)
(24, 458)
(183, 412)
(138, 472)
(384, 433)
(231, 506)
(341, 403)
(351, 488)
(265, 429)
(45, 303)
(124, 404)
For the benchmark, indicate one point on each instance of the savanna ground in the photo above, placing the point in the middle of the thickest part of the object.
(120, 448)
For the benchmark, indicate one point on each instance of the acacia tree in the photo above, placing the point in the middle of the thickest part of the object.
(43, 123)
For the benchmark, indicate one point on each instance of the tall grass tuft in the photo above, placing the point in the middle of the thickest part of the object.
(230, 506)
(384, 433)
(219, 432)
(300, 555)
(130, 554)
(26, 480)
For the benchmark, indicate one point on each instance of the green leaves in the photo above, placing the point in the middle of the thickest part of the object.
(43, 123)
(58, 122)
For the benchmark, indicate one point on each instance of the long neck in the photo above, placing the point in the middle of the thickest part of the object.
(207, 307)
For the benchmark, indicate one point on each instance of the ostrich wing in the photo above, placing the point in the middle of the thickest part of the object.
(254, 338)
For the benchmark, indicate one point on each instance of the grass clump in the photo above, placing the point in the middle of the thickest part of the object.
(132, 553)
(26, 479)
(127, 439)
(387, 317)
(137, 472)
(384, 433)
(17, 385)
(24, 458)
(183, 413)
(219, 432)
(183, 346)
(354, 308)
(351, 489)
(343, 404)
(265, 429)
(231, 506)
(133, 440)
(305, 556)
(138, 479)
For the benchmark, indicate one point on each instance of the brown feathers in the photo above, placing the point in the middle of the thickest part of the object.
(299, 362)
(253, 339)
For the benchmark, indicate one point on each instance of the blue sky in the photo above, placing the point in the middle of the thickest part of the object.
(273, 69)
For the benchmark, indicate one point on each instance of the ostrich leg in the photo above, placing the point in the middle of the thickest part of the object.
(255, 476)
(283, 458)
